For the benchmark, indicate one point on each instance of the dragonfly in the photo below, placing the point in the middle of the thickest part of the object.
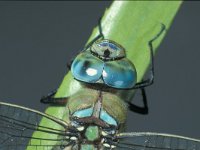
(90, 121)
(103, 64)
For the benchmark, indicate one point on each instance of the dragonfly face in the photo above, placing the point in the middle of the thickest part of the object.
(105, 62)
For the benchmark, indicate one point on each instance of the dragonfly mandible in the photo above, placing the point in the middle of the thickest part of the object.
(103, 65)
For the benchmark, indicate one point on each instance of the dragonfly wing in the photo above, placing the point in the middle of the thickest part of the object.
(17, 125)
(35, 147)
(156, 141)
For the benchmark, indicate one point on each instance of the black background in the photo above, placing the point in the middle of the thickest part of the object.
(38, 38)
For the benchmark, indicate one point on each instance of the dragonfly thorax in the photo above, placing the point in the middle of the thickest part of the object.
(107, 50)
(93, 125)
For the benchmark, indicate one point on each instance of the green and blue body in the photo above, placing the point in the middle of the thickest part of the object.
(99, 109)
(93, 113)
(135, 42)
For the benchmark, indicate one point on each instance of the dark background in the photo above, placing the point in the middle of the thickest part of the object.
(38, 38)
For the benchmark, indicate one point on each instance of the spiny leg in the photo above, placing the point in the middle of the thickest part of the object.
(141, 85)
(150, 80)
(141, 110)
(100, 35)
(97, 37)
(50, 99)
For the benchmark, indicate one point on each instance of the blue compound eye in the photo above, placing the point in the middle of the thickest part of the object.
(108, 50)
(83, 113)
(107, 118)
(87, 68)
(119, 74)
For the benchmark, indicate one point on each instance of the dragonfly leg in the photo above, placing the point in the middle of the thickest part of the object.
(141, 110)
(97, 37)
(150, 80)
(50, 99)
(90, 43)
(69, 64)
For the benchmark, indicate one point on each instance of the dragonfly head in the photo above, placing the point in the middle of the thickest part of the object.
(107, 50)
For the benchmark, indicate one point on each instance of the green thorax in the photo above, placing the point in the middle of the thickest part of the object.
(92, 133)
(87, 98)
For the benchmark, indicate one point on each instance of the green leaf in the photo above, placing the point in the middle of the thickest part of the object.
(131, 24)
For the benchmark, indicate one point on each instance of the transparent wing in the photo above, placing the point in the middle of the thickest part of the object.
(155, 141)
(17, 125)
(35, 147)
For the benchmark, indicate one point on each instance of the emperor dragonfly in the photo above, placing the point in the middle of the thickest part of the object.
(89, 122)
(103, 63)
(164, 140)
